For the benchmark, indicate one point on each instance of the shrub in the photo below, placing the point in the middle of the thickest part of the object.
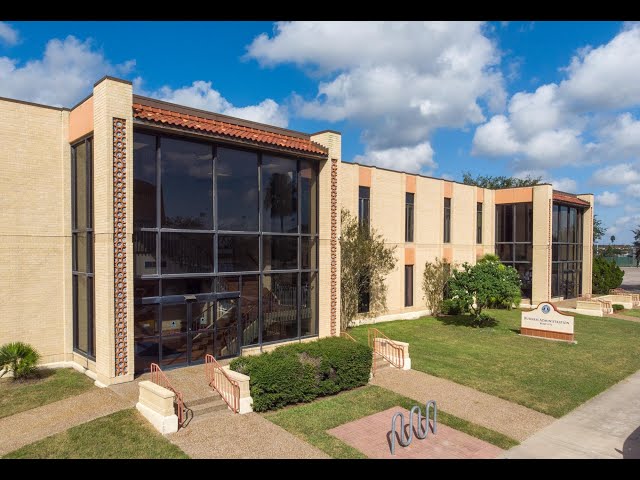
(451, 307)
(303, 371)
(434, 282)
(606, 275)
(19, 358)
(617, 307)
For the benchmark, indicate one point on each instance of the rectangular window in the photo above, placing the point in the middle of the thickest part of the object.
(408, 285)
(479, 223)
(363, 206)
(237, 189)
(447, 220)
(408, 218)
(364, 288)
(82, 247)
(566, 278)
(279, 195)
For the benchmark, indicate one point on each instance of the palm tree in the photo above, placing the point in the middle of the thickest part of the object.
(279, 197)
(613, 239)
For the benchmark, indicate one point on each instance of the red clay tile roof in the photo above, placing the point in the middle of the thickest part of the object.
(169, 117)
(566, 198)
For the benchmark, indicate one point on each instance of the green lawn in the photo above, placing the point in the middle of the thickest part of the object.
(632, 313)
(124, 434)
(311, 421)
(548, 376)
(18, 396)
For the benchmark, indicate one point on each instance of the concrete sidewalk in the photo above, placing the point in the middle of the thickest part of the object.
(607, 426)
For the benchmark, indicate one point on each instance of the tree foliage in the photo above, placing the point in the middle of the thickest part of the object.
(501, 181)
(363, 256)
(598, 229)
(636, 244)
(606, 275)
(434, 281)
(489, 282)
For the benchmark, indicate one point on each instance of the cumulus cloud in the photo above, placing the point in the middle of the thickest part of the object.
(633, 190)
(607, 199)
(556, 124)
(565, 184)
(408, 159)
(8, 34)
(65, 73)
(200, 94)
(622, 174)
(624, 224)
(399, 81)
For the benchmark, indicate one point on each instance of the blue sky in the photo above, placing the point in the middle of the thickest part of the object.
(555, 99)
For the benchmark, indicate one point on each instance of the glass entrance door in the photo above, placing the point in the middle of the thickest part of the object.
(197, 325)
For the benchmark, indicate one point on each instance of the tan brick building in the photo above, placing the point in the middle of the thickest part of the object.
(136, 231)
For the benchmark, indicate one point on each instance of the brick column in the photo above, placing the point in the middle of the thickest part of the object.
(541, 265)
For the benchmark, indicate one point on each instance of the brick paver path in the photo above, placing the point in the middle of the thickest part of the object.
(372, 436)
(500, 415)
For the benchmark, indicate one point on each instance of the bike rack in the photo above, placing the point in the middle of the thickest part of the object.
(420, 432)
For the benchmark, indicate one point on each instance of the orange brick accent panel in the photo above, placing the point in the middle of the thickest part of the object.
(364, 177)
(409, 256)
(447, 254)
(81, 120)
(531, 332)
(410, 185)
(120, 242)
(448, 190)
(479, 194)
(479, 252)
(334, 244)
(514, 195)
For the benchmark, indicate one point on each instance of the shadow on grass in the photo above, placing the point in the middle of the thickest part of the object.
(39, 375)
(466, 321)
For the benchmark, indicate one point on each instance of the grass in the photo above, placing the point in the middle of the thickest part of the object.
(631, 313)
(312, 420)
(551, 377)
(54, 385)
(124, 434)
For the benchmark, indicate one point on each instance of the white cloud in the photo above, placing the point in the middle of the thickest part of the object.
(408, 159)
(201, 95)
(65, 73)
(561, 124)
(565, 185)
(8, 34)
(608, 199)
(622, 174)
(633, 190)
(623, 225)
(397, 80)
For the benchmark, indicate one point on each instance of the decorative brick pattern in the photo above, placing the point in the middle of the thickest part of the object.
(334, 244)
(119, 243)
(531, 332)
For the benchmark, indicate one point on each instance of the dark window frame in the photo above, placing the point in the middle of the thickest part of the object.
(500, 210)
(564, 263)
(408, 285)
(409, 217)
(364, 206)
(88, 231)
(446, 233)
(159, 276)
(479, 223)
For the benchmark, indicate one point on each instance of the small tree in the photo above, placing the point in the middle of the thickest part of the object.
(489, 282)
(598, 229)
(636, 244)
(434, 281)
(606, 275)
(365, 261)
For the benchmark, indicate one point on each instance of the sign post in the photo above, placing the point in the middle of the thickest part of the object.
(547, 322)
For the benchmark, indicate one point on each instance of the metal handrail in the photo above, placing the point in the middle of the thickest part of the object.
(159, 378)
(387, 349)
(218, 379)
(344, 334)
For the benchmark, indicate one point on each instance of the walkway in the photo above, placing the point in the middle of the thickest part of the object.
(607, 426)
(631, 279)
(500, 415)
(225, 435)
(32, 425)
(372, 436)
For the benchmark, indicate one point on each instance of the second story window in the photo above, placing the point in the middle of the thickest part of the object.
(447, 220)
(363, 206)
(408, 218)
(479, 223)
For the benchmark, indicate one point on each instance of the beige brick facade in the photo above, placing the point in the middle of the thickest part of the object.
(35, 227)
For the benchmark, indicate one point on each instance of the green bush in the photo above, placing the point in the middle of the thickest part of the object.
(301, 372)
(617, 307)
(19, 358)
(606, 275)
(451, 307)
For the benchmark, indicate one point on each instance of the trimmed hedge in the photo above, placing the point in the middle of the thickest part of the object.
(301, 372)
(617, 307)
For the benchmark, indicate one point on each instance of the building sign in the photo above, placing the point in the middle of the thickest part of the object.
(547, 322)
